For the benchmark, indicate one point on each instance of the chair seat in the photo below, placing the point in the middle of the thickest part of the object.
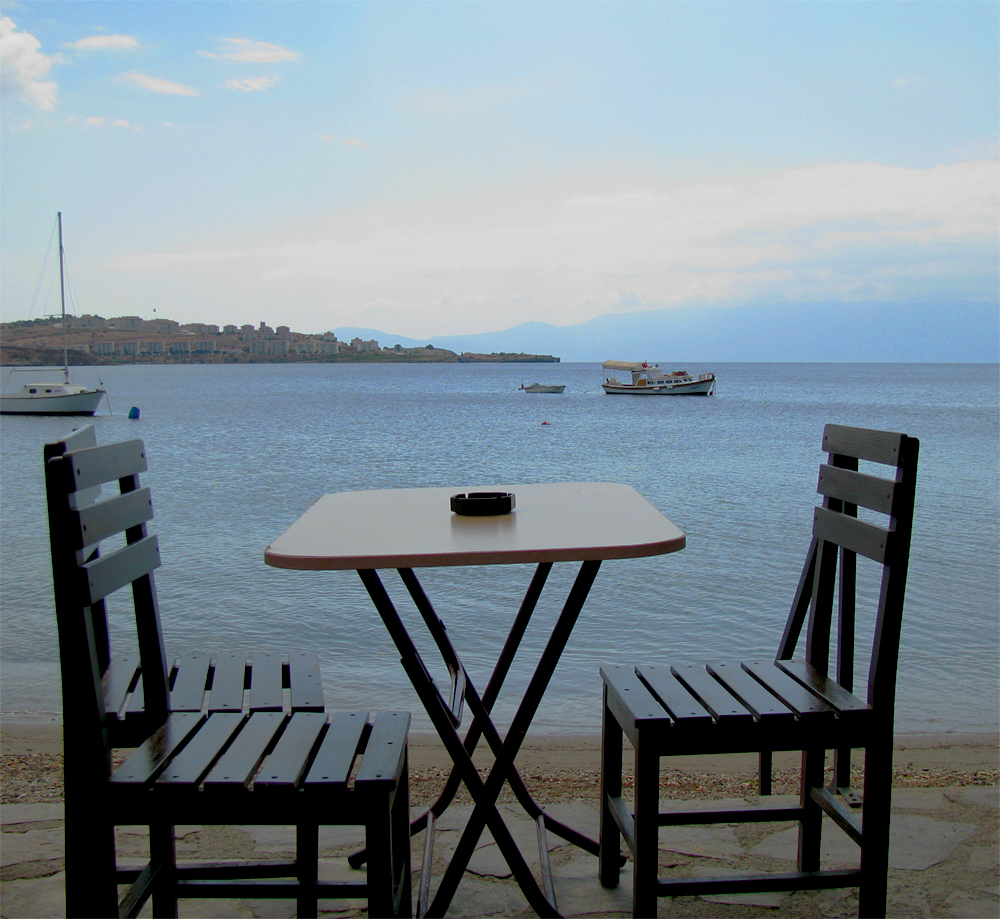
(759, 705)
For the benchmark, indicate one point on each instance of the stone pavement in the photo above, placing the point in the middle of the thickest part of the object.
(944, 863)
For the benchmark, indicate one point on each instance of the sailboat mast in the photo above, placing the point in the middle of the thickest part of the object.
(62, 297)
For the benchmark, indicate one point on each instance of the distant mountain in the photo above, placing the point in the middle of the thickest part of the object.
(951, 332)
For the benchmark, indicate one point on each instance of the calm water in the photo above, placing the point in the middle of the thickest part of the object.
(239, 452)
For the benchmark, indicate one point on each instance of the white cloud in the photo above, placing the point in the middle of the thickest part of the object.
(252, 84)
(847, 231)
(156, 85)
(106, 43)
(22, 66)
(244, 51)
(348, 142)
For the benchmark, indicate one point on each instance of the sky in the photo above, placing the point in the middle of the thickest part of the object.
(445, 168)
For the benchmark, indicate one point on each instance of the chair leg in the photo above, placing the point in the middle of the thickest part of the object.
(811, 825)
(611, 786)
(387, 879)
(647, 823)
(399, 824)
(306, 868)
(91, 883)
(163, 857)
(875, 832)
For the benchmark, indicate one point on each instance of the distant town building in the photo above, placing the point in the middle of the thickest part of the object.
(161, 325)
(230, 330)
(200, 328)
(360, 345)
(269, 346)
(126, 323)
(154, 347)
(103, 347)
(203, 346)
(130, 347)
(180, 347)
(85, 322)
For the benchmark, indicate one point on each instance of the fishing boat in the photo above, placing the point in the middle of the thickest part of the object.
(63, 398)
(542, 387)
(644, 379)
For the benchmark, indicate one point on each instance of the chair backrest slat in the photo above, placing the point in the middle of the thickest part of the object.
(110, 463)
(874, 446)
(115, 515)
(856, 488)
(112, 572)
(852, 534)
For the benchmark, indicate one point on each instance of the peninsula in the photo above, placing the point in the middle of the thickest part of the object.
(133, 340)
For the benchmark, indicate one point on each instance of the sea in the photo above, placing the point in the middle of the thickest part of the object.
(238, 452)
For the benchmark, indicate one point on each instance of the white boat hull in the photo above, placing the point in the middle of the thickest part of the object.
(51, 399)
(694, 388)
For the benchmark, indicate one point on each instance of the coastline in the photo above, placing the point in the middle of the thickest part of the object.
(560, 767)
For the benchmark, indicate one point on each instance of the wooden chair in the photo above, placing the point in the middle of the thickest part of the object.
(215, 760)
(785, 704)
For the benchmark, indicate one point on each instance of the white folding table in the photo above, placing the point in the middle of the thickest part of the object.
(586, 522)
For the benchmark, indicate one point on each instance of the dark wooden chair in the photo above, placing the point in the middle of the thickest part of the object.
(784, 704)
(209, 758)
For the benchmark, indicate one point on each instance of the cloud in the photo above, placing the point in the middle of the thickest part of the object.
(22, 67)
(244, 51)
(252, 84)
(106, 43)
(848, 231)
(156, 85)
(349, 142)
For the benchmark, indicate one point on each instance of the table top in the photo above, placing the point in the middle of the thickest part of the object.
(415, 528)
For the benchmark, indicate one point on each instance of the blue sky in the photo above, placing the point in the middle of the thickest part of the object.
(438, 168)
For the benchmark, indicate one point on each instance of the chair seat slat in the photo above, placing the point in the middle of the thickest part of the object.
(229, 672)
(630, 697)
(112, 516)
(149, 758)
(337, 752)
(265, 682)
(290, 759)
(385, 752)
(869, 491)
(237, 766)
(764, 705)
(111, 572)
(792, 693)
(674, 696)
(846, 703)
(305, 683)
(118, 679)
(195, 760)
(866, 539)
(188, 691)
(723, 705)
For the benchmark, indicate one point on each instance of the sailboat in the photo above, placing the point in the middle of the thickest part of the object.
(63, 398)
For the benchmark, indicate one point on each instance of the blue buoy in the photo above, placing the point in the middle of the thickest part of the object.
(133, 412)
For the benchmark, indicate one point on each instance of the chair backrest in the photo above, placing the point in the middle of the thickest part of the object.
(100, 547)
(839, 536)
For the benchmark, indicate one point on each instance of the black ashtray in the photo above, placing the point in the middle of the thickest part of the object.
(483, 503)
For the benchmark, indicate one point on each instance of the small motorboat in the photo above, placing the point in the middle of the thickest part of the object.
(646, 379)
(542, 387)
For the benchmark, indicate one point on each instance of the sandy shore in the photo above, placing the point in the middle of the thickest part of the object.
(557, 766)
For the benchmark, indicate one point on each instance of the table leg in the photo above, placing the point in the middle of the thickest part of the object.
(503, 766)
(441, 716)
